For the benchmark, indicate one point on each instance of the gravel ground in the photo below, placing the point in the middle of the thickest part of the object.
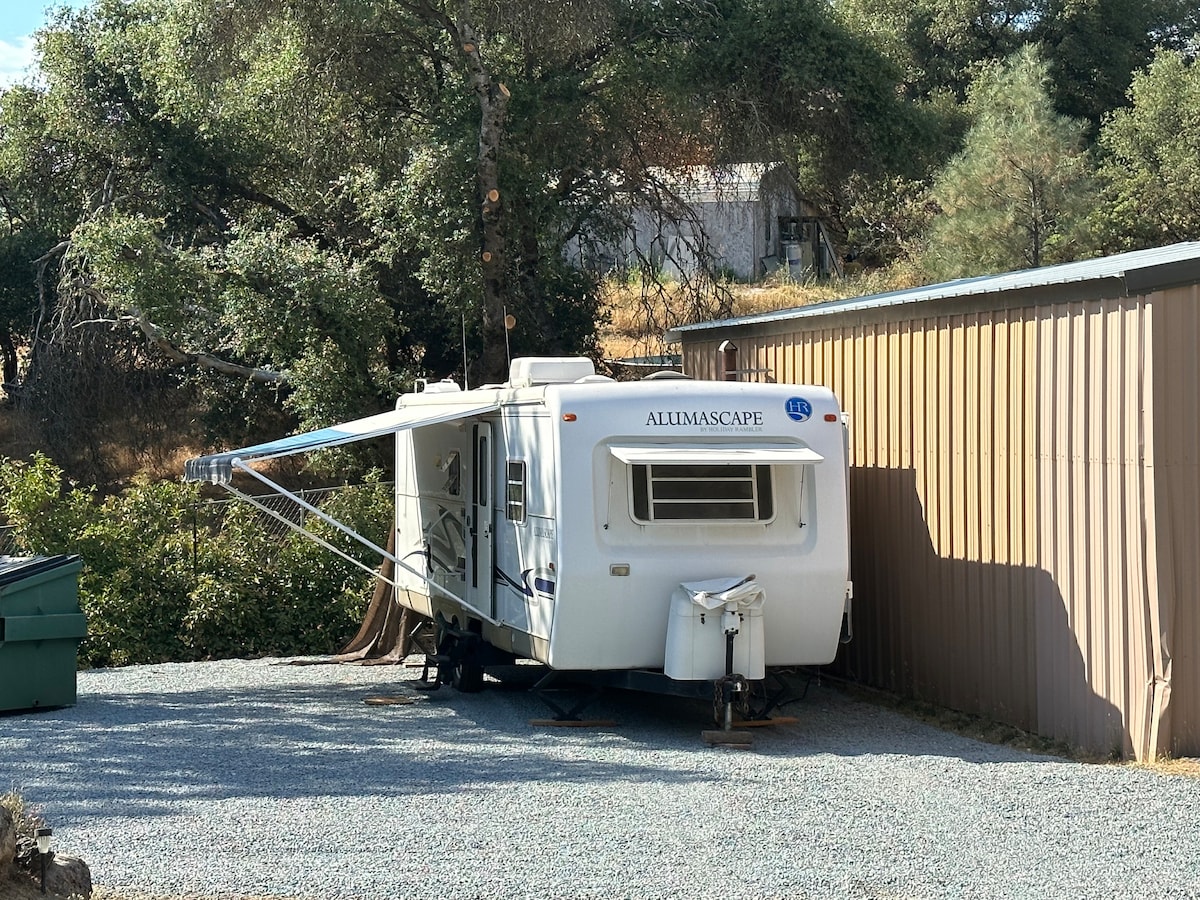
(260, 778)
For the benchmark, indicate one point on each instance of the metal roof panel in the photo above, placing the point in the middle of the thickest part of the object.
(1142, 265)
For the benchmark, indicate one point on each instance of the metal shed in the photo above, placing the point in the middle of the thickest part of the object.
(746, 218)
(1025, 491)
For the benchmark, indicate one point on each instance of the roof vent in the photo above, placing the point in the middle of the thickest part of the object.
(666, 375)
(445, 386)
(527, 371)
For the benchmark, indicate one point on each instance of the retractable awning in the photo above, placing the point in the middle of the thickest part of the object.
(715, 454)
(218, 467)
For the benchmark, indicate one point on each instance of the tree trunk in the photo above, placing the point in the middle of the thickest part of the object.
(492, 365)
(8, 356)
(493, 105)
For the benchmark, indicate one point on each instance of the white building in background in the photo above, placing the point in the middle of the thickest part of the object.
(745, 219)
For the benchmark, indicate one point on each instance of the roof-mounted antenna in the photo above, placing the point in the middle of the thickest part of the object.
(466, 384)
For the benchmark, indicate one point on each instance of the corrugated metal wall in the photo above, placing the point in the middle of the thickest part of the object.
(999, 536)
(1095, 542)
(1175, 444)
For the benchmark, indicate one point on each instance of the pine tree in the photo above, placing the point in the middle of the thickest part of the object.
(1017, 194)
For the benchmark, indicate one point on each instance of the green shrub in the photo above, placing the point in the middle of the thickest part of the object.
(168, 577)
(46, 516)
(137, 575)
(255, 594)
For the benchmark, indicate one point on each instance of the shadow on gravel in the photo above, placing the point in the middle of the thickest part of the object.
(137, 753)
(828, 722)
(143, 753)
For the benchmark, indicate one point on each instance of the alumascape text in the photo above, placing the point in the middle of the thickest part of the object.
(706, 417)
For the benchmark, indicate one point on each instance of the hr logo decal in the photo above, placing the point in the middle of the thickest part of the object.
(798, 409)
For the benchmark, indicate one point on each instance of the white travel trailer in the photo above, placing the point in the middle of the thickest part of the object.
(602, 526)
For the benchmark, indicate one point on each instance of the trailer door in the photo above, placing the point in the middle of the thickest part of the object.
(481, 525)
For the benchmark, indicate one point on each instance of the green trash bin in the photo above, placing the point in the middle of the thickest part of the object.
(40, 630)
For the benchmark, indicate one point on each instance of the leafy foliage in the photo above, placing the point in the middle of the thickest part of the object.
(1093, 46)
(786, 80)
(940, 45)
(1151, 159)
(233, 211)
(884, 219)
(299, 195)
(168, 577)
(1096, 46)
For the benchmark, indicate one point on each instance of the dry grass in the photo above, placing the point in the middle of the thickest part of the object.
(1187, 767)
(121, 462)
(16, 436)
(989, 731)
(636, 317)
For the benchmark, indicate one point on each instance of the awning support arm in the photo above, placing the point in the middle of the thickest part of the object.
(300, 529)
(350, 532)
(304, 504)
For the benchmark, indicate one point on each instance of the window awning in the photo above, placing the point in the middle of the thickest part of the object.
(218, 468)
(715, 454)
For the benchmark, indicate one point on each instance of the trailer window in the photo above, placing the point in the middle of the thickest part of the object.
(663, 493)
(515, 490)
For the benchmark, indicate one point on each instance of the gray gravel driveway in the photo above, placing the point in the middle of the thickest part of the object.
(259, 778)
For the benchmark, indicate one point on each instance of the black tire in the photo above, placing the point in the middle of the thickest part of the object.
(466, 673)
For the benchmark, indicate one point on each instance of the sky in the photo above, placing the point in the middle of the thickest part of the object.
(18, 20)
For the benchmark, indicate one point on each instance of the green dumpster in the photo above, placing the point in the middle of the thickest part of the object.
(40, 630)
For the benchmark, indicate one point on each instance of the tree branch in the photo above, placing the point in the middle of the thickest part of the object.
(155, 335)
(57, 250)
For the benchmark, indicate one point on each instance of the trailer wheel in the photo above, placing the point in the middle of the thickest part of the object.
(466, 673)
(467, 676)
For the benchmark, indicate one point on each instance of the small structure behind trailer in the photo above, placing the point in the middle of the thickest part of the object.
(665, 534)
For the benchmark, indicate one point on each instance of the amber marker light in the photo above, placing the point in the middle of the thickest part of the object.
(568, 417)
(831, 417)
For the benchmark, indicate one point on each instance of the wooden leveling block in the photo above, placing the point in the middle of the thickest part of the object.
(718, 737)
